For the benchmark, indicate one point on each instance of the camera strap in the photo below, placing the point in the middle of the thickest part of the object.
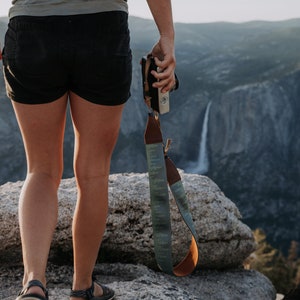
(163, 175)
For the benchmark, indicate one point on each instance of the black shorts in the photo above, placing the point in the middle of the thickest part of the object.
(45, 57)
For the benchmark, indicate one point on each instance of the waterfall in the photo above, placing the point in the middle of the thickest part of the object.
(203, 162)
(201, 166)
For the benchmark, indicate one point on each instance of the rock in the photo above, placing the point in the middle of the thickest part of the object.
(224, 241)
(135, 282)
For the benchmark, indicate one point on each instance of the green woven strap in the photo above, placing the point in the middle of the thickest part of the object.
(162, 172)
(160, 210)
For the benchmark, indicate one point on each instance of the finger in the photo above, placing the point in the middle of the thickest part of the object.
(166, 73)
(166, 84)
(165, 63)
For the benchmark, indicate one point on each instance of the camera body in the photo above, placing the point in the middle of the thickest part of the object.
(163, 101)
(158, 101)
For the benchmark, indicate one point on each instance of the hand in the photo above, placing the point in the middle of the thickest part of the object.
(163, 53)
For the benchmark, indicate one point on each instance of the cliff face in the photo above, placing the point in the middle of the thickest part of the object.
(255, 154)
(249, 73)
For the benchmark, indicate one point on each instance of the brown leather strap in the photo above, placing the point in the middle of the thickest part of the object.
(153, 133)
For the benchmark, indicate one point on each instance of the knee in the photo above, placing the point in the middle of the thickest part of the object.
(86, 172)
(52, 175)
(43, 181)
(92, 163)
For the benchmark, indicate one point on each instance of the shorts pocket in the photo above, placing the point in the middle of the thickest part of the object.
(10, 46)
(35, 52)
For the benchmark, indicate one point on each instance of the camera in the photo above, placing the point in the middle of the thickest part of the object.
(158, 101)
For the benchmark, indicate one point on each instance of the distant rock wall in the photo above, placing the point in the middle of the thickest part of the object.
(253, 146)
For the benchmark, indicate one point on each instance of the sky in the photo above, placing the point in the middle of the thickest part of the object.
(203, 11)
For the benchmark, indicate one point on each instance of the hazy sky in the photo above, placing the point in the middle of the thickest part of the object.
(199, 11)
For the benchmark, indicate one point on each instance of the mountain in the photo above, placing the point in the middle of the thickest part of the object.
(249, 76)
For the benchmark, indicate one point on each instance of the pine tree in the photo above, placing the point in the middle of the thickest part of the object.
(270, 262)
(297, 279)
(293, 252)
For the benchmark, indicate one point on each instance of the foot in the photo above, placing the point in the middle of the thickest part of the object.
(95, 292)
(34, 290)
(98, 292)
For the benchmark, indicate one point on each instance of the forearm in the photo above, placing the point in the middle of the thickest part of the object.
(163, 51)
(162, 14)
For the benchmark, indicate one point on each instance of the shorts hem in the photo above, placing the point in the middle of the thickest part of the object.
(106, 102)
(22, 100)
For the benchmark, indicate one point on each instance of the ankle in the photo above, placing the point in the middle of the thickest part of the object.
(81, 284)
(33, 276)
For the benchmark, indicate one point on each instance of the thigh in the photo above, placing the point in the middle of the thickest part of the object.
(96, 130)
(42, 128)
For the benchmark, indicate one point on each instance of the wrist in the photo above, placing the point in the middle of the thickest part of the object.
(168, 34)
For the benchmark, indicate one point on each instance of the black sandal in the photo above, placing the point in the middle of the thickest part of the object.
(33, 296)
(108, 294)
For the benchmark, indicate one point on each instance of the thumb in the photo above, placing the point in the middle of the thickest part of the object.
(157, 52)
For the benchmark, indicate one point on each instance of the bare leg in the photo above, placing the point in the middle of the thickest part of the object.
(42, 128)
(96, 130)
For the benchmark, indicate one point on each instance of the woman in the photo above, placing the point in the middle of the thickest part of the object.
(55, 52)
